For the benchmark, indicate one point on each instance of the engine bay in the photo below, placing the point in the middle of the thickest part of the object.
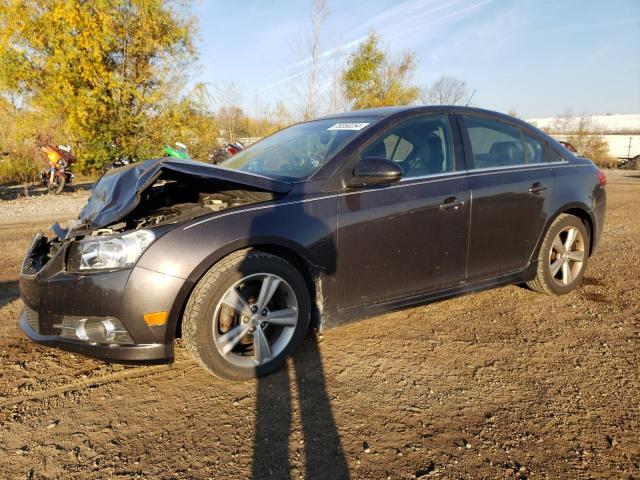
(173, 201)
(168, 202)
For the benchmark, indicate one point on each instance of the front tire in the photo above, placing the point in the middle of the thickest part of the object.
(563, 256)
(57, 185)
(246, 315)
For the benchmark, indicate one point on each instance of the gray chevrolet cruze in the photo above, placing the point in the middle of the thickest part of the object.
(324, 222)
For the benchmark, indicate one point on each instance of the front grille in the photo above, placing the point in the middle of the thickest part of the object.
(32, 319)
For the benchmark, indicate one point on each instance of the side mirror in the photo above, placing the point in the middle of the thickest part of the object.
(375, 171)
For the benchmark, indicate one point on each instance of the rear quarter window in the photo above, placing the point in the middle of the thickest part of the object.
(553, 156)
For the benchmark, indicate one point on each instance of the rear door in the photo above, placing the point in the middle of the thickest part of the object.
(511, 187)
(409, 237)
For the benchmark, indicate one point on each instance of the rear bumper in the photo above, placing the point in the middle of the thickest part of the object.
(599, 212)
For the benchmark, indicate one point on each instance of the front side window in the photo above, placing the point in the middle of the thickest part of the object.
(298, 151)
(493, 143)
(420, 146)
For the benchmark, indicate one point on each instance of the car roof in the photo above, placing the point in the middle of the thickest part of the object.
(379, 112)
(383, 112)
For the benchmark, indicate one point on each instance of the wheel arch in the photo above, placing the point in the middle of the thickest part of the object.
(583, 215)
(577, 209)
(283, 248)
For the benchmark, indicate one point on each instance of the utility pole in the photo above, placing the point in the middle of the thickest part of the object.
(629, 148)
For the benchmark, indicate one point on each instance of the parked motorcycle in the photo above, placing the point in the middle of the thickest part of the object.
(118, 162)
(221, 154)
(58, 172)
(179, 151)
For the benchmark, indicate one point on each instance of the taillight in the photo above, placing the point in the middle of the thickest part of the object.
(602, 178)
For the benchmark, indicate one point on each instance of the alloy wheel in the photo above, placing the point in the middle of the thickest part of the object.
(566, 256)
(255, 320)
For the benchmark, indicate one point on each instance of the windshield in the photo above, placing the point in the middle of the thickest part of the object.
(298, 151)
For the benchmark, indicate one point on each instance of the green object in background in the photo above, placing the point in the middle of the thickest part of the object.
(179, 152)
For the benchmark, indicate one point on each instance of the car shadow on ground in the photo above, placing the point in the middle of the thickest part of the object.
(323, 454)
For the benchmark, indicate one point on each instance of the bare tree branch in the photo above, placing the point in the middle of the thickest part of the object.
(447, 90)
(229, 100)
(306, 86)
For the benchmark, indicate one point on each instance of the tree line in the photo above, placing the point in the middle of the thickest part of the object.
(113, 78)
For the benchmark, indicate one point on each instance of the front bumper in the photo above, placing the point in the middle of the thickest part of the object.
(126, 353)
(51, 294)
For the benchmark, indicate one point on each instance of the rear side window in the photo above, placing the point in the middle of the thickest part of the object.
(493, 143)
(534, 149)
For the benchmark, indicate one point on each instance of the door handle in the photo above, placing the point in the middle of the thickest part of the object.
(537, 187)
(451, 203)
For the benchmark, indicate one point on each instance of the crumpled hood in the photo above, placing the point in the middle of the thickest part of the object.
(118, 191)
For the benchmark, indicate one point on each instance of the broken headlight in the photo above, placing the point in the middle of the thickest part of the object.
(109, 252)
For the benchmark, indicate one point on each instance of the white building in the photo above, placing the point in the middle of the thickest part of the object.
(621, 132)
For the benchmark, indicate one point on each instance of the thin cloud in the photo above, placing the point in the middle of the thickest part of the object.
(396, 15)
(406, 14)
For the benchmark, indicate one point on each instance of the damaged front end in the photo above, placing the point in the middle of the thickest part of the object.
(165, 191)
(81, 288)
(131, 206)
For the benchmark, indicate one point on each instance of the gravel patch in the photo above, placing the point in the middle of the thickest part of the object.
(27, 209)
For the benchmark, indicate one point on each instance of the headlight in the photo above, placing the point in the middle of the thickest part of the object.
(110, 252)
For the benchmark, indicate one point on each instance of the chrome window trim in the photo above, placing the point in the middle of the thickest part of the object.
(569, 164)
(432, 178)
(525, 166)
(432, 175)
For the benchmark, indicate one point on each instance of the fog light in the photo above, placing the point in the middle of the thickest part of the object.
(95, 330)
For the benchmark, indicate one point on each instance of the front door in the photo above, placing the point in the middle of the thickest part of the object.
(409, 237)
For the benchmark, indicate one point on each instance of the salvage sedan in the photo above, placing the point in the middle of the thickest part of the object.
(324, 222)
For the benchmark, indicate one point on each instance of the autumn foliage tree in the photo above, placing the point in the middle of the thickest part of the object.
(371, 79)
(104, 70)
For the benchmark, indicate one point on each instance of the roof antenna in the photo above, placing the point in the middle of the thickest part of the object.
(468, 101)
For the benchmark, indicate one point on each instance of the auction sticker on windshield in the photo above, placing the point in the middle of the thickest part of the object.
(349, 126)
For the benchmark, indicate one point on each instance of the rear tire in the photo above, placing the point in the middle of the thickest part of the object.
(563, 256)
(246, 315)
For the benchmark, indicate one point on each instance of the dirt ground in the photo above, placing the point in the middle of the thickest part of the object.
(502, 384)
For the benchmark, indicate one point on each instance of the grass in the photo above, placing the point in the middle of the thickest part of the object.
(17, 170)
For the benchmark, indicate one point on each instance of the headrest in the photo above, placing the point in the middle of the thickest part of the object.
(506, 153)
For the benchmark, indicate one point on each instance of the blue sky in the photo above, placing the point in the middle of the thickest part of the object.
(537, 56)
